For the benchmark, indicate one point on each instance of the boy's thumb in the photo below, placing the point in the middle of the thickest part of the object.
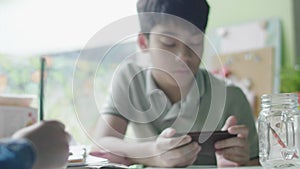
(231, 121)
(168, 132)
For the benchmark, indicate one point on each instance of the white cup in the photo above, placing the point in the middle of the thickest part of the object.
(13, 118)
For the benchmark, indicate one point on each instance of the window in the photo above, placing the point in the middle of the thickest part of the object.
(59, 30)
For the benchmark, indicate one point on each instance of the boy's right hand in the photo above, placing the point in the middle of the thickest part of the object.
(170, 151)
(51, 142)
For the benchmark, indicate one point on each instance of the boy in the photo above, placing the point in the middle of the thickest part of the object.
(174, 96)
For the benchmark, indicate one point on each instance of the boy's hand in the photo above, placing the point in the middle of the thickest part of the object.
(51, 142)
(172, 151)
(233, 151)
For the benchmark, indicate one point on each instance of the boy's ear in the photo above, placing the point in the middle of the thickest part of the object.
(142, 41)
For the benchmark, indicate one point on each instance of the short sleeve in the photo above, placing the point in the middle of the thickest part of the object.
(127, 92)
(117, 92)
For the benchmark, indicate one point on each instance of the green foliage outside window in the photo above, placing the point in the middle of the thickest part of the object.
(21, 76)
(290, 80)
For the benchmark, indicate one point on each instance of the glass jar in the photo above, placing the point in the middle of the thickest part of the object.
(278, 131)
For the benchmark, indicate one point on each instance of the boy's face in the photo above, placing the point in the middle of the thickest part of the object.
(175, 52)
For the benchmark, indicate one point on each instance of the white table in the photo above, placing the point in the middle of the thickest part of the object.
(211, 167)
(191, 167)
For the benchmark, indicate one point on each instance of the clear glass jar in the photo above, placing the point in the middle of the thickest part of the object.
(278, 131)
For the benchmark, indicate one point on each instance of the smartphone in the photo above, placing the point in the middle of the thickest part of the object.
(207, 139)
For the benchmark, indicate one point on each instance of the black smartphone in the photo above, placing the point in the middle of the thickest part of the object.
(207, 139)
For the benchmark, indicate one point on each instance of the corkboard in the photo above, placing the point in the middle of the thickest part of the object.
(256, 65)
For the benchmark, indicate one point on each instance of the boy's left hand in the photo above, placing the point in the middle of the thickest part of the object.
(233, 151)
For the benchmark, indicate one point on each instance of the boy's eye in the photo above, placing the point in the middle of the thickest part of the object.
(167, 41)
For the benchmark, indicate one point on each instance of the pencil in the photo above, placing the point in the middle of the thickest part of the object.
(279, 141)
(42, 71)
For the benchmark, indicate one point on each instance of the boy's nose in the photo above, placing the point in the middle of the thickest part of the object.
(184, 53)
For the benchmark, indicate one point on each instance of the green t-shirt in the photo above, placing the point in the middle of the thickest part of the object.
(135, 97)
